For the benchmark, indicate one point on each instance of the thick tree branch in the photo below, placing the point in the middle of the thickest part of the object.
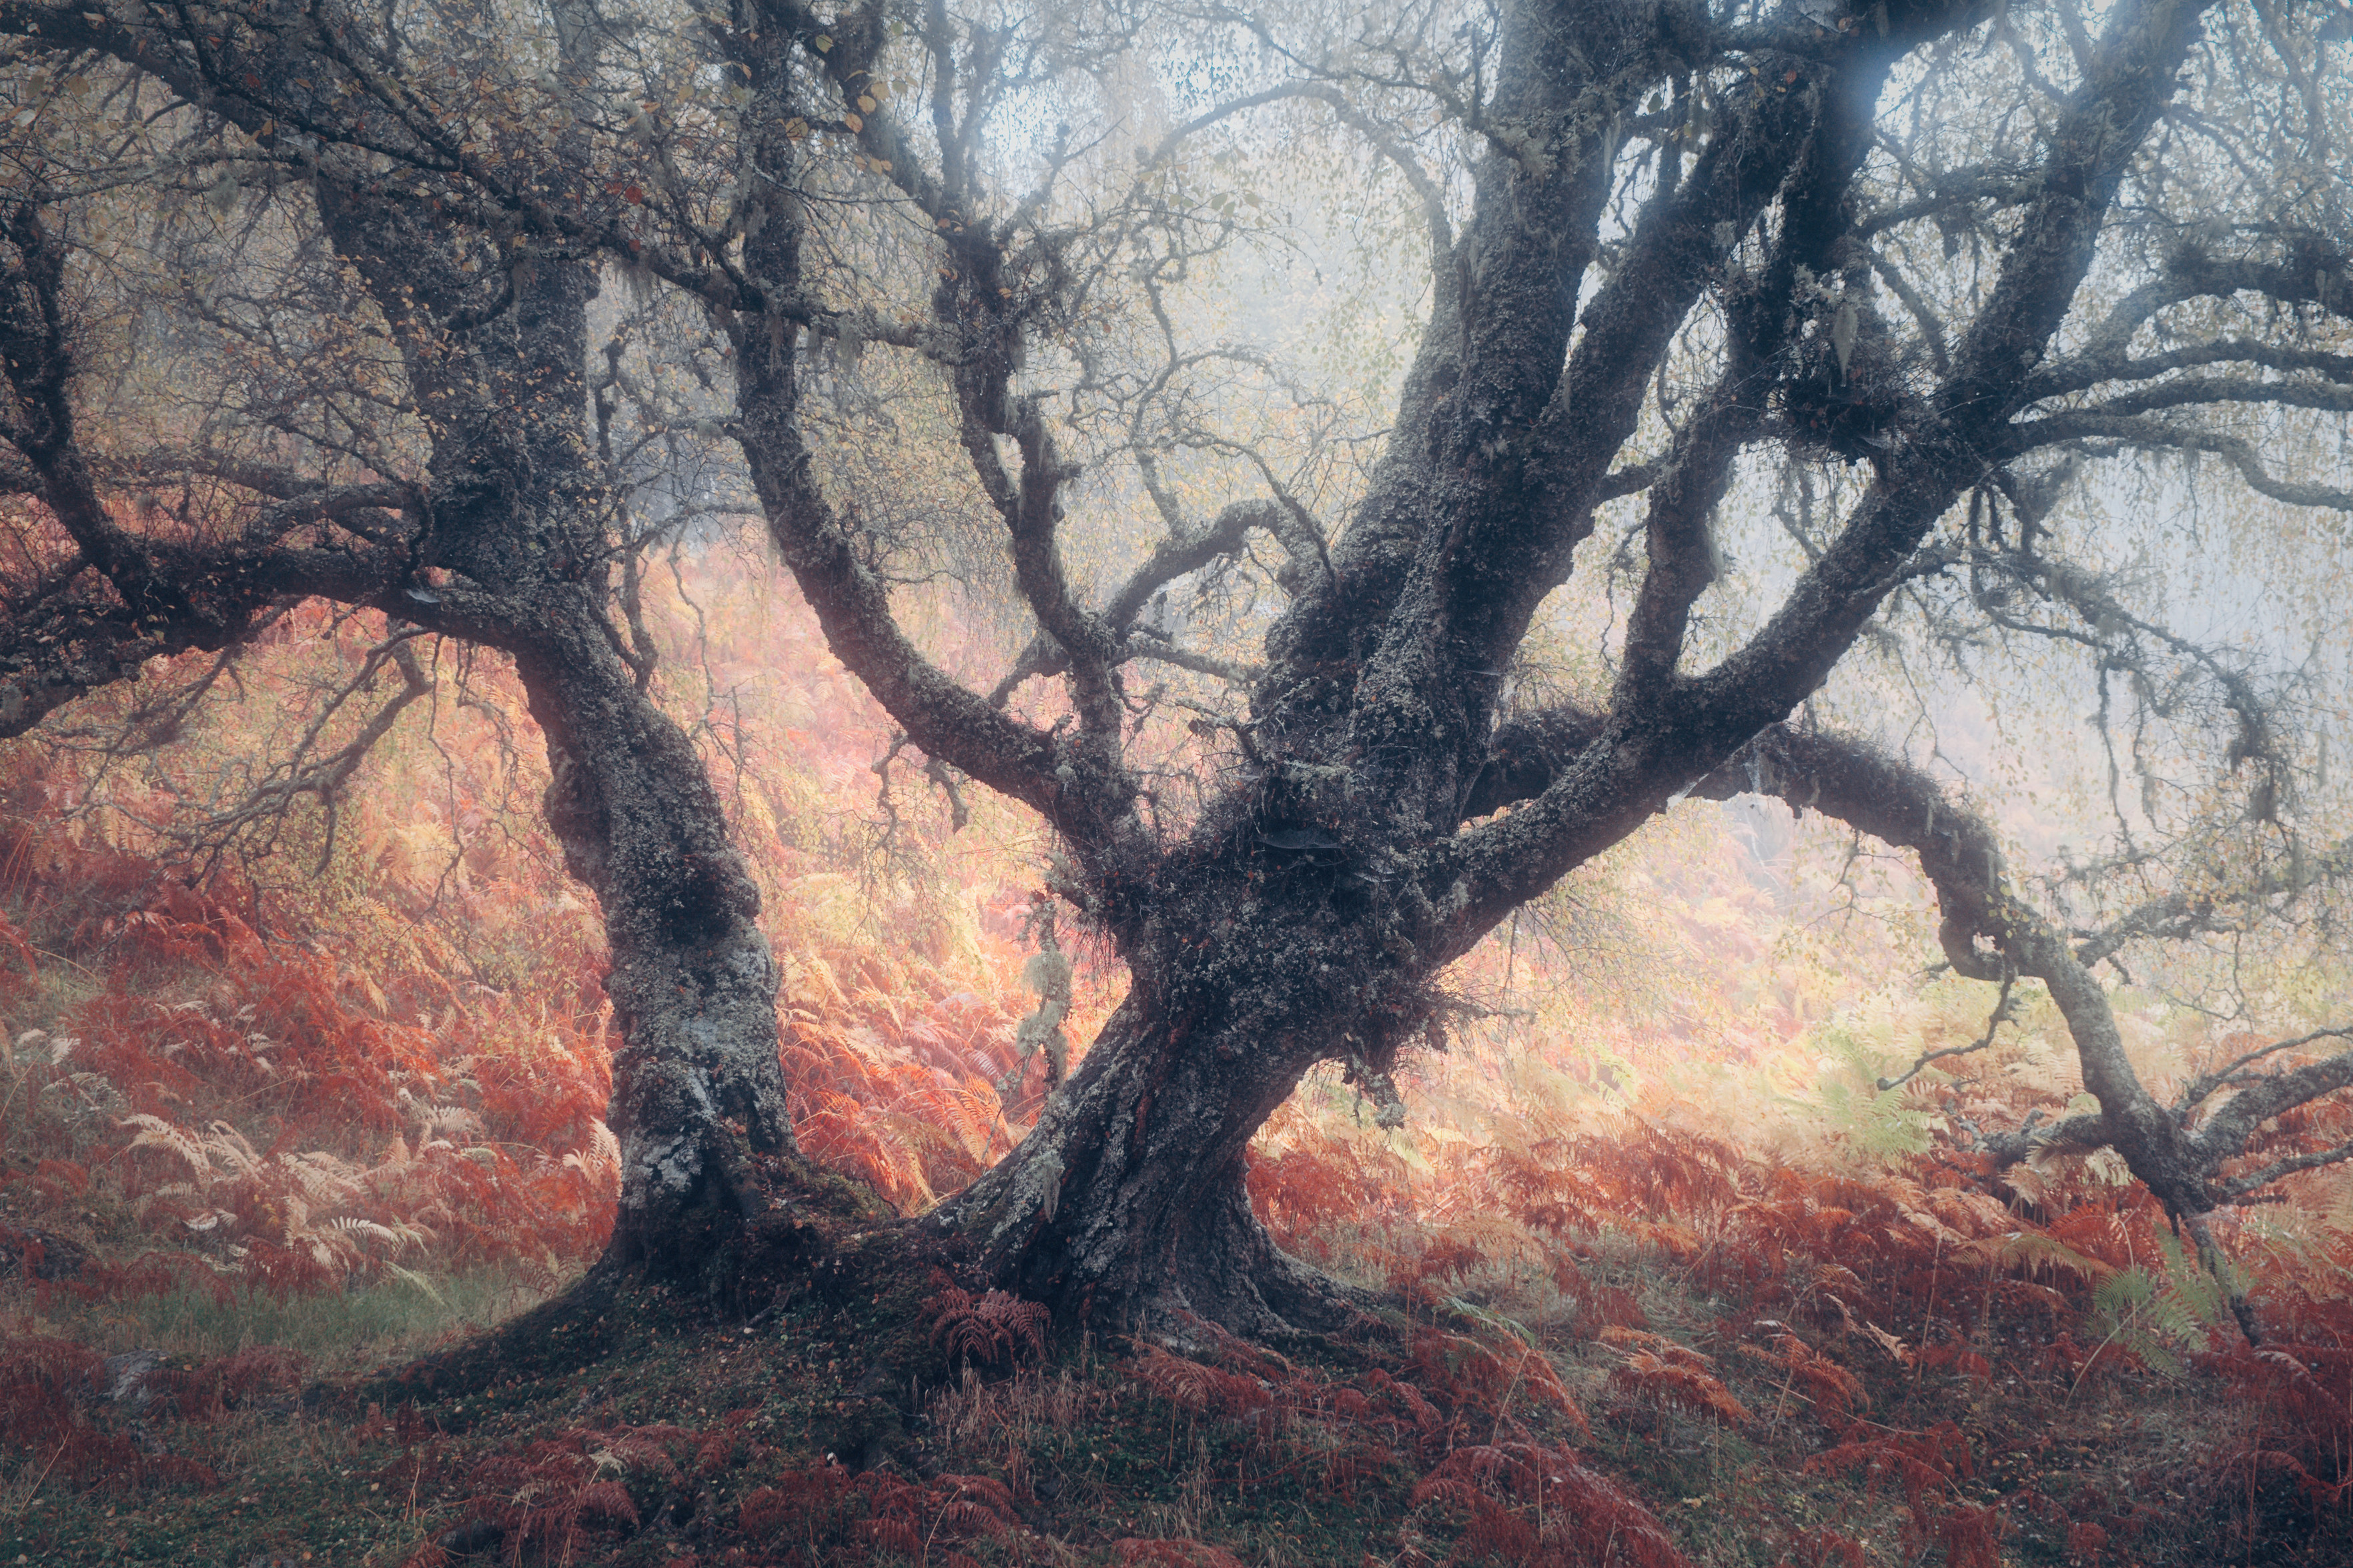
(1987, 934)
(1679, 246)
(1947, 451)
(2234, 1073)
(2240, 1189)
(821, 547)
(1679, 536)
(2261, 1097)
(2081, 373)
(2096, 431)
(1815, 234)
(1089, 646)
(2318, 272)
(1902, 806)
(852, 604)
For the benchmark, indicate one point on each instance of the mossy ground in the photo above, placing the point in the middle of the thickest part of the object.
(630, 1425)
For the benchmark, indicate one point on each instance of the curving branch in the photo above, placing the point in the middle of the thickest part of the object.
(1777, 145)
(119, 599)
(2081, 373)
(1174, 556)
(1150, 648)
(1816, 233)
(2317, 274)
(1088, 645)
(852, 604)
(1690, 727)
(2095, 431)
(821, 547)
(306, 770)
(1938, 459)
(1988, 933)
(1679, 535)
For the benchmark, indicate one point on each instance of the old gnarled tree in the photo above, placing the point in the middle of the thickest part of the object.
(1808, 326)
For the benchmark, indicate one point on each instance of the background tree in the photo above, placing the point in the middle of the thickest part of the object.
(1907, 280)
(442, 466)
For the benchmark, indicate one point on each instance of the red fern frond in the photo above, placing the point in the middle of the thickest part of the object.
(1533, 1504)
(1924, 1463)
(1969, 1533)
(1193, 1386)
(1834, 1391)
(1646, 1374)
(992, 1328)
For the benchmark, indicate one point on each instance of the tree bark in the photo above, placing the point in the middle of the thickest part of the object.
(1126, 1205)
(501, 544)
(698, 1087)
(698, 1090)
(1351, 853)
(1305, 919)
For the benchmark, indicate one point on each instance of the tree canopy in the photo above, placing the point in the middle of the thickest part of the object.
(1402, 450)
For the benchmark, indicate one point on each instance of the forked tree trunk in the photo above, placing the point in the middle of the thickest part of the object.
(1126, 1204)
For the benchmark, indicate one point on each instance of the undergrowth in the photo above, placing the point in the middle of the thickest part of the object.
(887, 1413)
(1648, 1304)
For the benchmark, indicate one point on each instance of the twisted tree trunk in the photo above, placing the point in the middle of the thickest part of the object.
(698, 1090)
(1127, 1204)
(1304, 918)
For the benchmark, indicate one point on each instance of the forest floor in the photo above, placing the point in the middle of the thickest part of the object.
(304, 1179)
(1484, 1419)
(290, 1253)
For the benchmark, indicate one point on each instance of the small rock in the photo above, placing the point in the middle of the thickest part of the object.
(474, 1535)
(126, 1379)
(54, 1257)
